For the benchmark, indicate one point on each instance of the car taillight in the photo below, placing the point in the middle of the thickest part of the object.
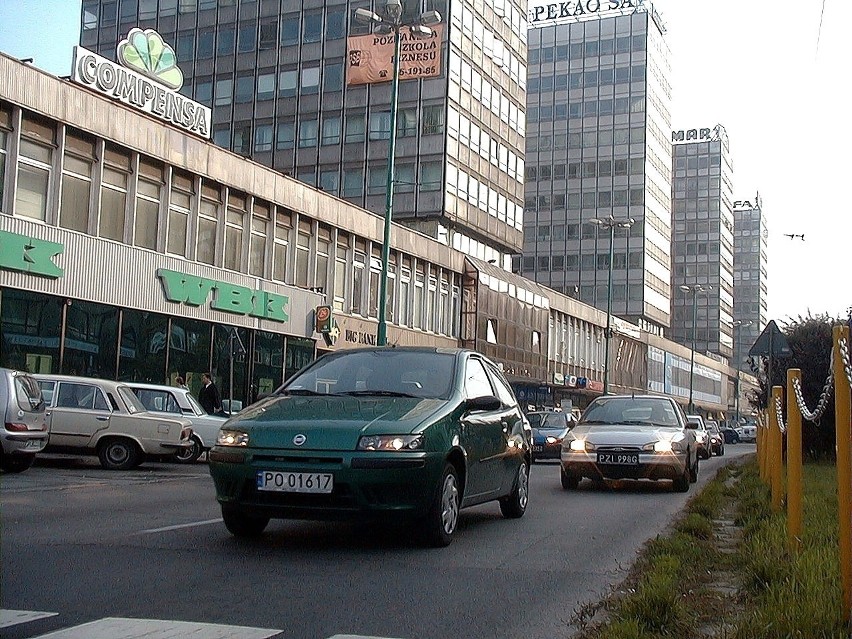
(15, 426)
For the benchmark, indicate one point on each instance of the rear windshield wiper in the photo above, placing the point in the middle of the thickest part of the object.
(381, 393)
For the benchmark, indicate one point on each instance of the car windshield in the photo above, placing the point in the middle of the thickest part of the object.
(130, 400)
(196, 407)
(388, 372)
(555, 421)
(28, 392)
(612, 411)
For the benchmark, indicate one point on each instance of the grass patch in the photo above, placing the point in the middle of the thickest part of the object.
(781, 595)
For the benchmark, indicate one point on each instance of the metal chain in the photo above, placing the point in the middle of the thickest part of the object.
(822, 404)
(844, 357)
(778, 415)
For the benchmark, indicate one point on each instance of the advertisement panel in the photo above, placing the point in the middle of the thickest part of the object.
(370, 57)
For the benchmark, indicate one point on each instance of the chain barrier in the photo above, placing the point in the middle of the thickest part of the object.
(822, 404)
(844, 357)
(778, 408)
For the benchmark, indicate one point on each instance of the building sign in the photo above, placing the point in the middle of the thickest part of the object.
(147, 79)
(326, 325)
(595, 385)
(578, 9)
(29, 255)
(370, 57)
(360, 337)
(700, 135)
(230, 298)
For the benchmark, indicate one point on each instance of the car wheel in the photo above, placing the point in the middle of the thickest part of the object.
(443, 516)
(189, 455)
(241, 524)
(119, 454)
(16, 463)
(569, 482)
(693, 472)
(514, 506)
(721, 451)
(681, 484)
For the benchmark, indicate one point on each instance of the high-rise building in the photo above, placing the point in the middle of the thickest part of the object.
(598, 122)
(703, 241)
(274, 73)
(750, 276)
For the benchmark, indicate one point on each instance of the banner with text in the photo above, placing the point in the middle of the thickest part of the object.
(371, 57)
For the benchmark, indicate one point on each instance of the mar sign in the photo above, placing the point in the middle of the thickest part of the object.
(147, 79)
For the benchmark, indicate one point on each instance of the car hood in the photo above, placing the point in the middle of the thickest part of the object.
(333, 423)
(624, 434)
(548, 432)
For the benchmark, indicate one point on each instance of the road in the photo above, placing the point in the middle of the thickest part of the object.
(88, 544)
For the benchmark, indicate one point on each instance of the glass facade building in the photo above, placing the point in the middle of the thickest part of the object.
(750, 276)
(598, 101)
(703, 241)
(274, 73)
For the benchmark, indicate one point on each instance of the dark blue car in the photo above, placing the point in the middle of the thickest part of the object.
(548, 430)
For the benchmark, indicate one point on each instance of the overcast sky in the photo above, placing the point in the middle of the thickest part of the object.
(764, 70)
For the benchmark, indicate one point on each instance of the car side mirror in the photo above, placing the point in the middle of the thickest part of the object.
(486, 402)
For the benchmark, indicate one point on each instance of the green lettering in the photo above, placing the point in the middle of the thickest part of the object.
(27, 254)
(276, 307)
(185, 289)
(232, 298)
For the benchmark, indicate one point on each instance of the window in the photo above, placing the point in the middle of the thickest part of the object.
(375, 276)
(312, 27)
(180, 205)
(406, 122)
(247, 37)
(476, 382)
(353, 181)
(380, 125)
(281, 244)
(310, 80)
(242, 139)
(5, 125)
(205, 44)
(359, 264)
(333, 77)
(354, 131)
(335, 25)
(265, 86)
(433, 120)
(377, 179)
(307, 134)
(323, 253)
(148, 192)
(287, 83)
(35, 156)
(263, 137)
(225, 42)
(257, 241)
(329, 181)
(234, 221)
(204, 91)
(268, 32)
(208, 222)
(303, 248)
(331, 130)
(290, 30)
(76, 182)
(286, 135)
(245, 89)
(341, 256)
(116, 176)
(430, 176)
(224, 89)
(404, 178)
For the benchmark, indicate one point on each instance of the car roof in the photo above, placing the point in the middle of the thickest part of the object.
(74, 378)
(150, 386)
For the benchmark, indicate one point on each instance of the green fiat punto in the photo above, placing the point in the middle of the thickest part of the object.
(417, 433)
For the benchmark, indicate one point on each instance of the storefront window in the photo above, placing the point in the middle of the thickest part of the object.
(148, 192)
(142, 357)
(91, 336)
(34, 167)
(114, 194)
(300, 353)
(189, 350)
(268, 367)
(225, 361)
(76, 182)
(31, 327)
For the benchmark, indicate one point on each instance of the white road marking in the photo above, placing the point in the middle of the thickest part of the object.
(15, 617)
(120, 628)
(206, 522)
(356, 637)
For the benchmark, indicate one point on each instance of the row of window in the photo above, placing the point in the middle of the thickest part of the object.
(605, 77)
(540, 54)
(587, 109)
(94, 187)
(480, 141)
(483, 196)
(589, 168)
(585, 200)
(487, 92)
(585, 262)
(572, 341)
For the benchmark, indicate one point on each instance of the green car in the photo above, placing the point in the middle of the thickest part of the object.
(414, 433)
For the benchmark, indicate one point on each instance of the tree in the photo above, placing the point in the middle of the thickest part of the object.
(811, 341)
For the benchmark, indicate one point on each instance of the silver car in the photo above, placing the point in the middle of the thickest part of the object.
(179, 401)
(24, 431)
(631, 437)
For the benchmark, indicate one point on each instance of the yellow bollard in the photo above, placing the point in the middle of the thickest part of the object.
(776, 463)
(761, 447)
(843, 433)
(794, 464)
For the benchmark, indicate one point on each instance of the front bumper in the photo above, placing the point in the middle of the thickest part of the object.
(651, 466)
(543, 450)
(368, 484)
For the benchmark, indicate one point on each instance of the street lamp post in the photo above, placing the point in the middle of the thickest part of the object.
(391, 21)
(739, 325)
(610, 223)
(694, 289)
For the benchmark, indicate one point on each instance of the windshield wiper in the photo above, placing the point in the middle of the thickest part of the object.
(305, 391)
(594, 421)
(381, 393)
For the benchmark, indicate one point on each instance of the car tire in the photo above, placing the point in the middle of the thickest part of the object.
(119, 454)
(16, 463)
(569, 482)
(190, 455)
(693, 472)
(241, 524)
(515, 505)
(722, 451)
(443, 517)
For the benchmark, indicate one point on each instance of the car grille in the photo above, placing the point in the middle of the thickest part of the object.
(335, 462)
(618, 449)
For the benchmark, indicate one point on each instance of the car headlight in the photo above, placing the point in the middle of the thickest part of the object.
(391, 442)
(580, 445)
(663, 446)
(229, 437)
(550, 439)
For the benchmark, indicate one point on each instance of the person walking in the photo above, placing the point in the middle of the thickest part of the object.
(208, 396)
(181, 383)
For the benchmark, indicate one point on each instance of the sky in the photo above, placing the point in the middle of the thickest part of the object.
(770, 73)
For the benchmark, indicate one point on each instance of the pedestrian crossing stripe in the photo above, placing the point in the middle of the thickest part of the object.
(15, 617)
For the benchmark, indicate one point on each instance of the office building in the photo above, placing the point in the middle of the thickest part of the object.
(274, 73)
(750, 275)
(703, 241)
(598, 123)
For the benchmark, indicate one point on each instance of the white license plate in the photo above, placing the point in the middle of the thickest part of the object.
(626, 459)
(276, 481)
(33, 443)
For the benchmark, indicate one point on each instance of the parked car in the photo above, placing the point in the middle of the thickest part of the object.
(548, 430)
(103, 417)
(631, 437)
(25, 430)
(413, 433)
(702, 437)
(730, 434)
(716, 439)
(747, 432)
(179, 401)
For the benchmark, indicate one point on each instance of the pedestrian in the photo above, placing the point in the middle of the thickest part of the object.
(180, 382)
(208, 396)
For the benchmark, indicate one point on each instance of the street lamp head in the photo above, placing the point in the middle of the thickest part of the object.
(393, 9)
(684, 288)
(365, 16)
(626, 224)
(420, 31)
(430, 18)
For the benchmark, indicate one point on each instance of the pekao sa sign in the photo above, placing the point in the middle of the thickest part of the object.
(146, 78)
(578, 9)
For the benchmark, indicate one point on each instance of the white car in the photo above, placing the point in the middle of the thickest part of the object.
(747, 432)
(171, 399)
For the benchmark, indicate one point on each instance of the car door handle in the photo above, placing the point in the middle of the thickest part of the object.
(102, 419)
